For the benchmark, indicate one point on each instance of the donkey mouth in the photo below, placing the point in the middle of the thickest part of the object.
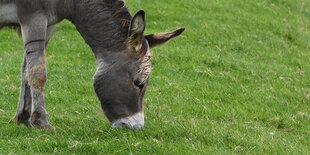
(134, 122)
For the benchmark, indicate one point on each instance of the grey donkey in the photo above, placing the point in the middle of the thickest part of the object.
(117, 39)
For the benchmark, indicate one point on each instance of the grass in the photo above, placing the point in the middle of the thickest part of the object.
(237, 81)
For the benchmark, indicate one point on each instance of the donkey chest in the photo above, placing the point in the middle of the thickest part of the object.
(8, 13)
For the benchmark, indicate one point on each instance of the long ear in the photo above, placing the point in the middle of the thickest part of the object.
(161, 38)
(136, 30)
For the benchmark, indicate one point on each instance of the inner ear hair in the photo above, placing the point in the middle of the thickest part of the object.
(136, 43)
(137, 24)
(136, 30)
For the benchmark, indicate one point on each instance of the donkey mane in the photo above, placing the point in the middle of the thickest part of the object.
(104, 24)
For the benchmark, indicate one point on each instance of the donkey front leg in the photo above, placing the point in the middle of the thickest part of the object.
(35, 78)
(31, 109)
(24, 108)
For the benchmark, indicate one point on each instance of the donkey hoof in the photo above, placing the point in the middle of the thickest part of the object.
(47, 127)
(27, 123)
(42, 124)
(44, 127)
(21, 119)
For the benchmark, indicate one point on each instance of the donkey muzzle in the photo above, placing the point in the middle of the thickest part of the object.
(134, 122)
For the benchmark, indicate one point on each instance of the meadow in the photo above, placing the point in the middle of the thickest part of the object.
(236, 82)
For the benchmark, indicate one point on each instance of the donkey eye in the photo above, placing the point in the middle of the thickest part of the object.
(138, 84)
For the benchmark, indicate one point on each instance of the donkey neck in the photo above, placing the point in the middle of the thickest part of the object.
(103, 24)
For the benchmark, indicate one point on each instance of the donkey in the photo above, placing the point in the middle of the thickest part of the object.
(116, 38)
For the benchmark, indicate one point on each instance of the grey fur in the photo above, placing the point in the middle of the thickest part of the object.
(103, 24)
(116, 38)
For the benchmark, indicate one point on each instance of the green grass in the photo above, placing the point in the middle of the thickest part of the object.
(237, 81)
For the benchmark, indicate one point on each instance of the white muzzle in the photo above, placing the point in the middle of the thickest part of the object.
(134, 122)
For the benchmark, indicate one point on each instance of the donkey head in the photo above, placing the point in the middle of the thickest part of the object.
(121, 84)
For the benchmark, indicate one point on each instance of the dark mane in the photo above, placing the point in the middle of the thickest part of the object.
(104, 24)
(122, 13)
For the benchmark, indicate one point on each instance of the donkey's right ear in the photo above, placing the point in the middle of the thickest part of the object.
(136, 29)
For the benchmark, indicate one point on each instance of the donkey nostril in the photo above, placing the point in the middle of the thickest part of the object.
(123, 124)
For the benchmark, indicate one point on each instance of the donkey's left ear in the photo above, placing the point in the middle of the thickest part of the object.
(161, 38)
(136, 30)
